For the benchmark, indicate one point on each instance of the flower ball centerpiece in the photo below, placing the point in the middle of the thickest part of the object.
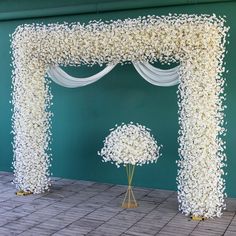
(130, 145)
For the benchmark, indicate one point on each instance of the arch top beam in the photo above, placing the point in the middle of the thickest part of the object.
(166, 38)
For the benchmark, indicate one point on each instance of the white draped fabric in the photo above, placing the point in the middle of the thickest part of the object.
(153, 75)
(157, 76)
(60, 77)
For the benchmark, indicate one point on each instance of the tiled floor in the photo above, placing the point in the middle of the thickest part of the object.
(88, 208)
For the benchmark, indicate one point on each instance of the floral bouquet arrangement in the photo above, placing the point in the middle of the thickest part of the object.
(130, 145)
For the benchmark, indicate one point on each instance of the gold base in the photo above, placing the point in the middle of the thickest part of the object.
(197, 218)
(23, 193)
(130, 205)
(129, 200)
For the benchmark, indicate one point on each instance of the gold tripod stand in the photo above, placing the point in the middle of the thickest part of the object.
(129, 200)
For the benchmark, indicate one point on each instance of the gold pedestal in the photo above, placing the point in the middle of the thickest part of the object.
(129, 200)
(197, 218)
(23, 193)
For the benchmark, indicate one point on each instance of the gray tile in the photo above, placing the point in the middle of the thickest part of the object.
(229, 233)
(7, 232)
(87, 223)
(70, 232)
(107, 229)
(75, 207)
(141, 228)
(38, 231)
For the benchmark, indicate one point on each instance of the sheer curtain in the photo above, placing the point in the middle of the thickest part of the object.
(153, 75)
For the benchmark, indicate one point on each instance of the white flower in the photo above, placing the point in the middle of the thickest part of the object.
(197, 42)
(130, 144)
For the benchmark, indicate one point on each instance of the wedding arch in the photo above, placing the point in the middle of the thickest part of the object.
(196, 42)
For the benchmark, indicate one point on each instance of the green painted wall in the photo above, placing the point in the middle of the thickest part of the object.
(83, 116)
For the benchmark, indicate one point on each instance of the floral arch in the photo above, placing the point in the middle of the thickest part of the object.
(197, 42)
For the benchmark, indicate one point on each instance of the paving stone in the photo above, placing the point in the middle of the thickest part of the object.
(114, 222)
(102, 214)
(63, 181)
(160, 193)
(38, 217)
(161, 214)
(144, 207)
(232, 228)
(115, 202)
(75, 187)
(139, 234)
(70, 232)
(75, 199)
(129, 216)
(100, 199)
(205, 233)
(229, 233)
(183, 222)
(88, 223)
(73, 213)
(74, 207)
(58, 194)
(101, 233)
(5, 219)
(152, 199)
(99, 187)
(106, 229)
(7, 232)
(88, 206)
(140, 193)
(53, 224)
(212, 227)
(19, 226)
(9, 205)
(38, 232)
(142, 228)
(179, 231)
(118, 189)
(125, 234)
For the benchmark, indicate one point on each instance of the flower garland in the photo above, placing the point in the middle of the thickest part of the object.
(130, 144)
(197, 42)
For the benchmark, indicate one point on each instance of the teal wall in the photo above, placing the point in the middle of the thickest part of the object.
(83, 116)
